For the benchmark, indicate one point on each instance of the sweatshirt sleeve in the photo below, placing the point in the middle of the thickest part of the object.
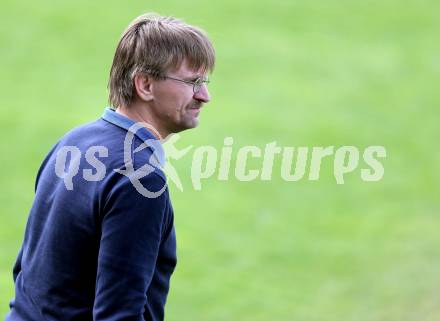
(131, 233)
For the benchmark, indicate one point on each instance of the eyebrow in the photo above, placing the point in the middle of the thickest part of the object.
(195, 77)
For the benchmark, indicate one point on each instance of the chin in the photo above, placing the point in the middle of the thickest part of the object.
(186, 126)
(193, 123)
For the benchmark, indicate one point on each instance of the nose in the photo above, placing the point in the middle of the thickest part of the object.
(203, 94)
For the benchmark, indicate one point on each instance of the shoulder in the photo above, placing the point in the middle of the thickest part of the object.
(98, 132)
(141, 194)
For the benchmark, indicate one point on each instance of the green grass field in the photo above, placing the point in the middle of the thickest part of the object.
(300, 73)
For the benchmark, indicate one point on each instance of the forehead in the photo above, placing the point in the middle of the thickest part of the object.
(184, 70)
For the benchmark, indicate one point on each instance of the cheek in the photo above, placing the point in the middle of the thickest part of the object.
(182, 102)
(175, 98)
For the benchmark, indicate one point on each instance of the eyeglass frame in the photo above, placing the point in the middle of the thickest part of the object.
(197, 83)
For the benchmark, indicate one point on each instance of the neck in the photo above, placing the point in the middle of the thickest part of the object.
(141, 114)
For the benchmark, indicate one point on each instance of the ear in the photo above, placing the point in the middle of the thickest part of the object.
(142, 84)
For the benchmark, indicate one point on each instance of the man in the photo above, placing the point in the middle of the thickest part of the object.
(100, 242)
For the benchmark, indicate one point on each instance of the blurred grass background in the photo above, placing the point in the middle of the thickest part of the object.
(301, 73)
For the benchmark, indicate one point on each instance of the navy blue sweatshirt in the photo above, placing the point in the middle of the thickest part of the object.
(95, 246)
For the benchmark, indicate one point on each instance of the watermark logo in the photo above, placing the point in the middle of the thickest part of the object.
(155, 161)
(173, 154)
(297, 163)
(208, 161)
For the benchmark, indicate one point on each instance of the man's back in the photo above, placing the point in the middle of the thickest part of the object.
(94, 247)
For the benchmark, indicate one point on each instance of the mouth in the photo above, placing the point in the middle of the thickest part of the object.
(195, 110)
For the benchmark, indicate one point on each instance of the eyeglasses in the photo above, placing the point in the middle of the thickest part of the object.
(197, 84)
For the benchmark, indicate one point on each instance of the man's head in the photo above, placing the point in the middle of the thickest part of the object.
(155, 62)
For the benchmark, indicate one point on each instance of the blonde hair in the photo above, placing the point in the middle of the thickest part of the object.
(155, 44)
